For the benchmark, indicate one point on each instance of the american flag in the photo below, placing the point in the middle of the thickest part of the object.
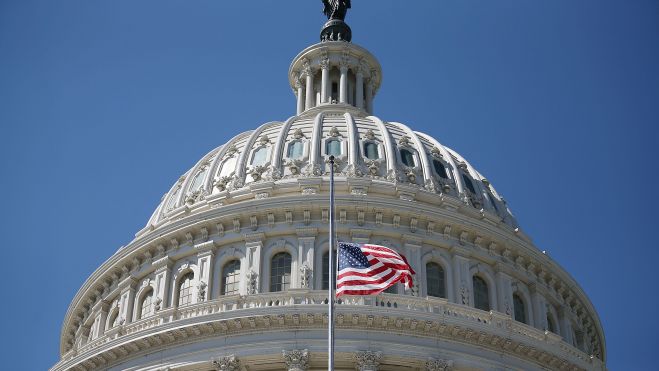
(366, 269)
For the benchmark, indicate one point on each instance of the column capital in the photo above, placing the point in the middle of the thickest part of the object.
(439, 365)
(297, 359)
(227, 363)
(368, 360)
(324, 63)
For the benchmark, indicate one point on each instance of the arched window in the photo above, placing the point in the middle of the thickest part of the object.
(260, 156)
(371, 151)
(228, 167)
(172, 199)
(468, 183)
(440, 169)
(295, 149)
(146, 306)
(198, 180)
(435, 280)
(185, 289)
(333, 147)
(407, 157)
(481, 294)
(114, 318)
(280, 272)
(326, 271)
(230, 278)
(520, 308)
(551, 327)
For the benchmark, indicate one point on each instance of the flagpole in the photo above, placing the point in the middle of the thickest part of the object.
(332, 269)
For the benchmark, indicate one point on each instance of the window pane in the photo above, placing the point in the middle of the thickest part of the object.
(230, 278)
(172, 199)
(228, 167)
(185, 289)
(333, 148)
(326, 271)
(280, 272)
(440, 169)
(481, 296)
(468, 183)
(520, 309)
(435, 280)
(147, 305)
(392, 289)
(407, 157)
(260, 156)
(371, 151)
(198, 180)
(295, 149)
(550, 324)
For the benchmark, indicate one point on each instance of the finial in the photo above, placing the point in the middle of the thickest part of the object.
(336, 29)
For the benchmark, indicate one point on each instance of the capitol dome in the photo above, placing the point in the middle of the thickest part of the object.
(231, 270)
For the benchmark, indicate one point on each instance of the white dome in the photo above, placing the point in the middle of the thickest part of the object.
(288, 154)
(230, 272)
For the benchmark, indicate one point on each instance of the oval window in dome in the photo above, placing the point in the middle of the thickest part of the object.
(440, 169)
(228, 167)
(295, 149)
(407, 157)
(333, 148)
(468, 183)
(260, 156)
(371, 151)
(172, 199)
(198, 180)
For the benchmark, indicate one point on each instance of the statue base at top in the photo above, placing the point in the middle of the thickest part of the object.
(336, 30)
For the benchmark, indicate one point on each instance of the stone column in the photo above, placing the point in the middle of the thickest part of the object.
(296, 360)
(310, 96)
(359, 89)
(127, 299)
(306, 252)
(461, 280)
(227, 363)
(439, 365)
(505, 291)
(538, 309)
(162, 275)
(369, 97)
(565, 324)
(205, 262)
(368, 360)
(343, 90)
(300, 95)
(324, 83)
(253, 249)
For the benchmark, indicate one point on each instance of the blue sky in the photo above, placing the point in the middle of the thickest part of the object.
(104, 104)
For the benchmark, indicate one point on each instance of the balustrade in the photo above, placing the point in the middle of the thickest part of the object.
(395, 306)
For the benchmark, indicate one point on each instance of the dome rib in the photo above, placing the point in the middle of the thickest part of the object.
(278, 154)
(316, 137)
(353, 141)
(388, 144)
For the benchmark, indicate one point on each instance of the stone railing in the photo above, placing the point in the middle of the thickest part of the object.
(423, 310)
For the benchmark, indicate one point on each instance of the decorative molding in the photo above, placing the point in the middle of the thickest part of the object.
(367, 360)
(227, 363)
(296, 360)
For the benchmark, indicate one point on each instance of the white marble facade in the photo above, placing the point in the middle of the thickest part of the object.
(228, 272)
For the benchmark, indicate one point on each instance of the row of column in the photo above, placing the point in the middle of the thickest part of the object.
(298, 360)
(306, 97)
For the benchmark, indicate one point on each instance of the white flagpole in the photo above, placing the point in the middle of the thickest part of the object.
(332, 269)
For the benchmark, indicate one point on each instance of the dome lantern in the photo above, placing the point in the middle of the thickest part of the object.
(335, 71)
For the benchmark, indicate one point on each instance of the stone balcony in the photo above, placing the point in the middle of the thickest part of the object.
(300, 309)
